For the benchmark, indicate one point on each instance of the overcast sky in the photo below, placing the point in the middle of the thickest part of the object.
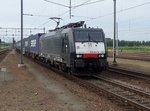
(133, 23)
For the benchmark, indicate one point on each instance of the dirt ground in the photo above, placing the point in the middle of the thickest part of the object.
(35, 88)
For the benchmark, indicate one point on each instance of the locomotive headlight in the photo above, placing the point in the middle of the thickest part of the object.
(101, 55)
(79, 56)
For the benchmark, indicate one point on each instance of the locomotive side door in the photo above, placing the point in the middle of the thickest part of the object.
(65, 48)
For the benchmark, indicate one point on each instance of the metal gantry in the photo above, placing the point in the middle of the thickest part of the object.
(15, 31)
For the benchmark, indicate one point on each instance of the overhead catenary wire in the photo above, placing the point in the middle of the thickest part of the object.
(120, 11)
(57, 3)
(69, 9)
(9, 32)
(44, 23)
(93, 18)
(63, 13)
(73, 7)
(82, 16)
(36, 15)
(146, 3)
(76, 6)
(86, 3)
(82, 3)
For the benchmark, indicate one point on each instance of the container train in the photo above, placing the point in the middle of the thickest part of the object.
(70, 48)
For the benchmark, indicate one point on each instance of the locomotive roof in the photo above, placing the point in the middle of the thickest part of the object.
(70, 27)
(88, 29)
(66, 30)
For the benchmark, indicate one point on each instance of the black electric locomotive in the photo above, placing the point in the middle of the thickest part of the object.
(73, 49)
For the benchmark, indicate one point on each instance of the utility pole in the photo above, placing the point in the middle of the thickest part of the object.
(0, 42)
(117, 46)
(13, 41)
(44, 29)
(21, 53)
(114, 40)
(21, 57)
(70, 9)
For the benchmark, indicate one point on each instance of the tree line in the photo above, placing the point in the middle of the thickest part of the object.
(123, 43)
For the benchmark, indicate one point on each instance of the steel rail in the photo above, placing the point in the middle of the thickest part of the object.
(109, 94)
(2, 51)
(124, 86)
(139, 75)
(125, 98)
(145, 58)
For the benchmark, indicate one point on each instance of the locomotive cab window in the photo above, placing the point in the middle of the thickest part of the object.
(84, 36)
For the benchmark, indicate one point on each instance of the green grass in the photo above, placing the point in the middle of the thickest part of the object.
(135, 49)
(141, 49)
(2, 46)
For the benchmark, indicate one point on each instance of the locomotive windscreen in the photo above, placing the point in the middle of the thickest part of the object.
(84, 36)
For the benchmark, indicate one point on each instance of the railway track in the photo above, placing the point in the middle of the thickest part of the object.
(143, 58)
(131, 99)
(133, 96)
(139, 75)
(134, 57)
(128, 97)
(2, 51)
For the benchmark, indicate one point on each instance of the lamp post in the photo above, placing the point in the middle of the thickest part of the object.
(114, 40)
